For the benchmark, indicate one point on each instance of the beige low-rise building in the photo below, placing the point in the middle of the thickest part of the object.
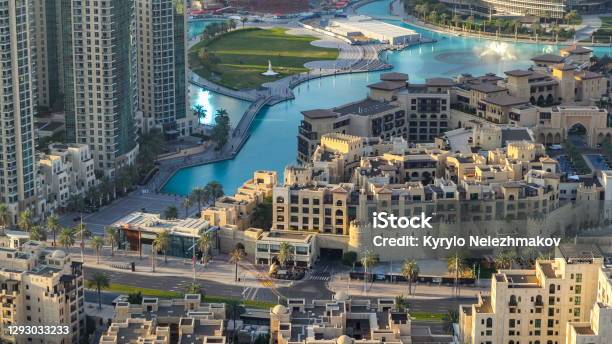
(41, 287)
(236, 211)
(67, 171)
(346, 321)
(563, 300)
(188, 320)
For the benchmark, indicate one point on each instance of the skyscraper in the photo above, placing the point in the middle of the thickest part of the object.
(100, 79)
(160, 30)
(17, 105)
(49, 66)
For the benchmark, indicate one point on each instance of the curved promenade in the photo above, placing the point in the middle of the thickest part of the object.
(352, 59)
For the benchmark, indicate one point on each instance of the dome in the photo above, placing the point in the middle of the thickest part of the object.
(279, 309)
(58, 254)
(341, 296)
(344, 339)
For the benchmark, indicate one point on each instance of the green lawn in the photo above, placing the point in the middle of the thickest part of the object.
(603, 34)
(165, 294)
(237, 59)
(427, 316)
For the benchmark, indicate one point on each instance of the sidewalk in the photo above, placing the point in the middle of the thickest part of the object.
(217, 270)
(386, 289)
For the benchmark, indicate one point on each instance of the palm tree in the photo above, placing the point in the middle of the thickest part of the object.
(98, 281)
(244, 20)
(83, 232)
(4, 216)
(111, 238)
(53, 226)
(410, 271)
(37, 233)
(97, 243)
(204, 244)
(171, 213)
(368, 260)
(199, 195)
(285, 253)
(25, 220)
(235, 257)
(214, 190)
(66, 238)
(162, 243)
(200, 112)
(456, 266)
(186, 205)
(504, 260)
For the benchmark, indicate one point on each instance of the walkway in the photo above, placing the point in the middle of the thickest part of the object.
(351, 59)
(590, 24)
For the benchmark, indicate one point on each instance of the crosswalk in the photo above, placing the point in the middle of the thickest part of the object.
(318, 276)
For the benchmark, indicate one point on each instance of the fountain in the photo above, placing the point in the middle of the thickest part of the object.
(269, 72)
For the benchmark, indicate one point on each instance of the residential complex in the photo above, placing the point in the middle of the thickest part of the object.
(187, 320)
(564, 300)
(101, 96)
(40, 287)
(18, 184)
(346, 321)
(66, 172)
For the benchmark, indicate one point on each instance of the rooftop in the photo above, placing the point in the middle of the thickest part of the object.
(551, 58)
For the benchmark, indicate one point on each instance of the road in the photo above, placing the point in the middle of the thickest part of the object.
(308, 289)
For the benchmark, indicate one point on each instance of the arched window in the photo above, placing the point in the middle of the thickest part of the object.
(339, 212)
(280, 199)
(551, 288)
(489, 322)
(339, 203)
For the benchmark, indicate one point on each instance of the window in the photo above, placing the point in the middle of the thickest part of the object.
(578, 278)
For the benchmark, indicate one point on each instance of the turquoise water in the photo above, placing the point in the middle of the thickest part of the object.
(213, 102)
(273, 142)
(196, 27)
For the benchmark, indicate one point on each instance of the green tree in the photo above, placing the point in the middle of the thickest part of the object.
(504, 260)
(235, 257)
(25, 220)
(66, 238)
(98, 281)
(4, 216)
(162, 243)
(37, 233)
(349, 258)
(368, 260)
(244, 20)
(111, 238)
(220, 132)
(135, 298)
(199, 111)
(199, 195)
(214, 190)
(410, 271)
(401, 303)
(171, 212)
(456, 19)
(83, 233)
(285, 254)
(97, 243)
(53, 226)
(187, 202)
(204, 244)
(262, 214)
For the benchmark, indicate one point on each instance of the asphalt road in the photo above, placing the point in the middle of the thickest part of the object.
(307, 289)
